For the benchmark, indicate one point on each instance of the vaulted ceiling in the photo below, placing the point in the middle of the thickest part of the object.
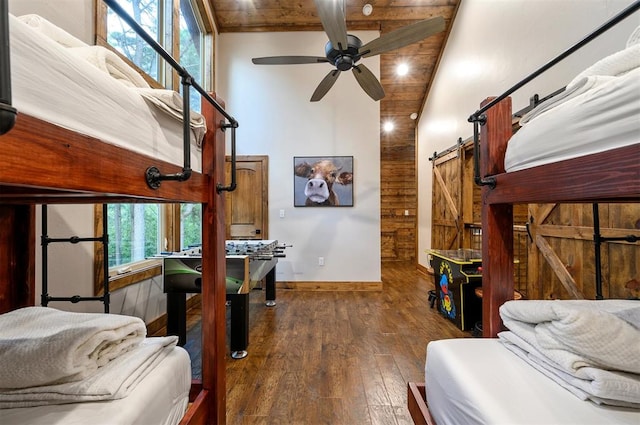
(404, 95)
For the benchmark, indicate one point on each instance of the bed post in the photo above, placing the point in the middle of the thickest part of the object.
(497, 220)
(17, 256)
(214, 269)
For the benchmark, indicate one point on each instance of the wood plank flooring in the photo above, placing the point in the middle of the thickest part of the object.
(336, 357)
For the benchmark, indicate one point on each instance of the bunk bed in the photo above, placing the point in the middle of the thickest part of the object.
(483, 380)
(54, 154)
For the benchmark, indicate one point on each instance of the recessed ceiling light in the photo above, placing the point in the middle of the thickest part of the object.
(402, 69)
(367, 9)
(413, 115)
(388, 126)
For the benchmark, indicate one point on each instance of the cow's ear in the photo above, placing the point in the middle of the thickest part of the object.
(302, 170)
(345, 178)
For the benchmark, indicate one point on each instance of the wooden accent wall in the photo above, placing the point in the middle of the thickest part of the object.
(398, 186)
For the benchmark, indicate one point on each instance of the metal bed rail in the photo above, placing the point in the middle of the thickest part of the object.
(153, 175)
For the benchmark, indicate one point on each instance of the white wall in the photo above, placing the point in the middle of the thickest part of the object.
(493, 45)
(276, 119)
(75, 16)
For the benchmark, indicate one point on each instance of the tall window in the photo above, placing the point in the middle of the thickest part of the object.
(191, 48)
(148, 13)
(137, 231)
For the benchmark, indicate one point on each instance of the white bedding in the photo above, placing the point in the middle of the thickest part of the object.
(161, 398)
(52, 84)
(599, 111)
(592, 348)
(479, 381)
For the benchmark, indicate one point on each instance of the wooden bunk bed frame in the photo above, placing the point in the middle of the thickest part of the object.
(46, 164)
(610, 176)
(76, 169)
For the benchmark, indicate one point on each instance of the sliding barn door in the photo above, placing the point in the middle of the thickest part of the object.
(446, 221)
(562, 255)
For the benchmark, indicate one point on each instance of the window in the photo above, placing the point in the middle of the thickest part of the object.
(134, 232)
(191, 49)
(190, 225)
(148, 14)
(140, 231)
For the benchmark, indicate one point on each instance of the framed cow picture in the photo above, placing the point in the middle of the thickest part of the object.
(323, 181)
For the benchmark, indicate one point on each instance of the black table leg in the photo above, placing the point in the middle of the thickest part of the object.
(270, 281)
(177, 316)
(239, 325)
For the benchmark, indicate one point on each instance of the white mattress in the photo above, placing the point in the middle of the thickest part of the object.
(600, 119)
(161, 398)
(51, 84)
(479, 381)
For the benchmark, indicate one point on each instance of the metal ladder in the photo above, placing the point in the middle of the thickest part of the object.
(46, 240)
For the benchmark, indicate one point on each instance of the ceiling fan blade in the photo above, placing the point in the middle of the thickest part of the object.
(368, 82)
(403, 37)
(333, 22)
(288, 60)
(326, 84)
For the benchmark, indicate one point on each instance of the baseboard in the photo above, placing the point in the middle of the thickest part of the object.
(427, 271)
(330, 286)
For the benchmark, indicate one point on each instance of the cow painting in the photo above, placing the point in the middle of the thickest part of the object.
(324, 181)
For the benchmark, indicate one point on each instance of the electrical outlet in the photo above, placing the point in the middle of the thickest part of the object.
(406, 212)
(321, 261)
(281, 213)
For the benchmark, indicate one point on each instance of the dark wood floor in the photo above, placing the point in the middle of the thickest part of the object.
(336, 357)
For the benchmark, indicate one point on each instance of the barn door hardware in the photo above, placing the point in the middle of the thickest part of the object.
(153, 175)
(7, 112)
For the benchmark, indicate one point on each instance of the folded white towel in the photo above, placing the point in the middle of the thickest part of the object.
(595, 76)
(579, 333)
(42, 346)
(109, 62)
(587, 383)
(112, 381)
(57, 34)
(170, 102)
(613, 65)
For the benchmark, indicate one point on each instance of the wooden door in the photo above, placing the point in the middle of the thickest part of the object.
(246, 207)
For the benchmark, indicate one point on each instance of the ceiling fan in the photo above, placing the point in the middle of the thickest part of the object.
(344, 50)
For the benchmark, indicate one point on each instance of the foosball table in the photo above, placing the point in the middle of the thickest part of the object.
(249, 263)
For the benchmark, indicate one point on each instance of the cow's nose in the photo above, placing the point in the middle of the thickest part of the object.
(320, 184)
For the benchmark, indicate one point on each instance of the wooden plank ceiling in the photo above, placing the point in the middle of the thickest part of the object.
(404, 95)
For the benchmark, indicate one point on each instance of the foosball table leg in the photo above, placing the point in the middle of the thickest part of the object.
(270, 283)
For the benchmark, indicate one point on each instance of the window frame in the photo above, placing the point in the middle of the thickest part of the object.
(147, 269)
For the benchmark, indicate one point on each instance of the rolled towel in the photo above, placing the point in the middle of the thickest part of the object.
(57, 34)
(170, 102)
(43, 346)
(109, 62)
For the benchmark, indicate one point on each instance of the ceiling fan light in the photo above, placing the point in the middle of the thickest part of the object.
(367, 9)
(402, 69)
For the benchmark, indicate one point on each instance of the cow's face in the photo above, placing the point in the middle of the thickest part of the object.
(321, 177)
